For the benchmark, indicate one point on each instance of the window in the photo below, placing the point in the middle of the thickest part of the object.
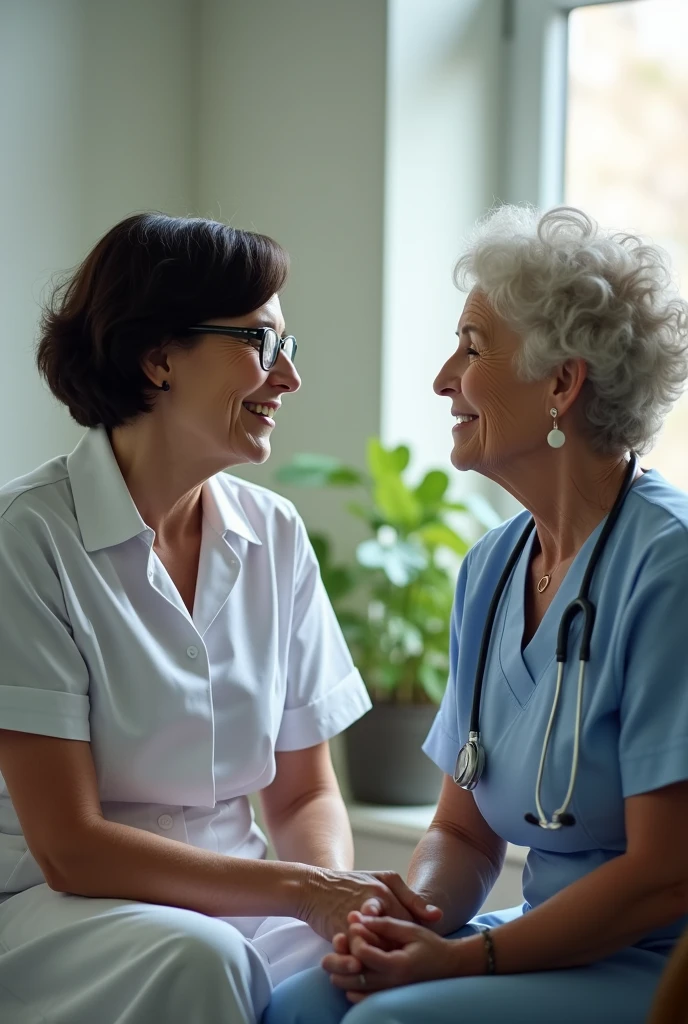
(609, 85)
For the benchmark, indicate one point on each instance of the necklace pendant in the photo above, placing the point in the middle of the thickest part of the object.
(543, 583)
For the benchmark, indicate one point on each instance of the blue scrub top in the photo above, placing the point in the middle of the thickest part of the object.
(634, 736)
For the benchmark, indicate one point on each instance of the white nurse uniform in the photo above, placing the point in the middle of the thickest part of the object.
(184, 713)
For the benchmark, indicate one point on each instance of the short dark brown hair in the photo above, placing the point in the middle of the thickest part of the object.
(147, 279)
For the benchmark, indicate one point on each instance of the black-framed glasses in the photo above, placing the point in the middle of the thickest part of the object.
(265, 339)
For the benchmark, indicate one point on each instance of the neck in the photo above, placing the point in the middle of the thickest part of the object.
(164, 477)
(568, 491)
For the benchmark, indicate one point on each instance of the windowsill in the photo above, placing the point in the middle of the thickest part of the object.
(407, 824)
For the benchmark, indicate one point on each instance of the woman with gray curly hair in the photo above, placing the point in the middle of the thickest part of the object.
(572, 348)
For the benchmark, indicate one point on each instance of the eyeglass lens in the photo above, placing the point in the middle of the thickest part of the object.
(271, 348)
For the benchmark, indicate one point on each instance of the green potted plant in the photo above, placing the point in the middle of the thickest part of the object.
(394, 604)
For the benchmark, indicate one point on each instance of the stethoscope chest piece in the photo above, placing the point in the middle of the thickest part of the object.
(470, 763)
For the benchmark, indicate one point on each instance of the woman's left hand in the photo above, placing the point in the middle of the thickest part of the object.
(411, 954)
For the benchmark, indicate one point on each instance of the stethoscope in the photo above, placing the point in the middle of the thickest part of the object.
(470, 763)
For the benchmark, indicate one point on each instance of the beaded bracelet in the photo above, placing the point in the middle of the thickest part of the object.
(491, 967)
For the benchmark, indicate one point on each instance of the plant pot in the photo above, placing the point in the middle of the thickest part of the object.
(385, 761)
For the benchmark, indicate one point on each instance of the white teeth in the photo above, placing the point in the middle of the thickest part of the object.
(262, 410)
(463, 418)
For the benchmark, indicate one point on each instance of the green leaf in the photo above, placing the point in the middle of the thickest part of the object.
(440, 535)
(345, 476)
(367, 514)
(433, 681)
(397, 503)
(313, 470)
(321, 546)
(401, 562)
(384, 461)
(432, 487)
(338, 582)
(453, 506)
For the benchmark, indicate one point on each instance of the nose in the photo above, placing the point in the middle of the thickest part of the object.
(448, 380)
(283, 374)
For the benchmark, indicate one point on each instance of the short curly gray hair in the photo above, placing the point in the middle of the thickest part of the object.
(574, 290)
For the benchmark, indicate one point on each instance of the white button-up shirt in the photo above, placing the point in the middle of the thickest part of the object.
(184, 712)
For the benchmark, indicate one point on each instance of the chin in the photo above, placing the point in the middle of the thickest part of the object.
(259, 453)
(461, 460)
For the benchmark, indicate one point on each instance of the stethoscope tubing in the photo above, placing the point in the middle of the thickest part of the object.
(581, 605)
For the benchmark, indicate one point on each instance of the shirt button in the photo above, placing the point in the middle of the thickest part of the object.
(166, 822)
(192, 652)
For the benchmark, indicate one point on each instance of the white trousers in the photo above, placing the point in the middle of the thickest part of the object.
(73, 960)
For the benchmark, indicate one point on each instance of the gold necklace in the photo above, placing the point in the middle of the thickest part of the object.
(543, 582)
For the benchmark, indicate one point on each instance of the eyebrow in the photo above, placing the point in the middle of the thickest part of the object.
(265, 322)
(467, 328)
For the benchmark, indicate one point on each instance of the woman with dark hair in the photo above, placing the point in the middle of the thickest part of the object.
(168, 649)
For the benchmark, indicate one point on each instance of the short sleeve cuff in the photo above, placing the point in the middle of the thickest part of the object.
(441, 747)
(325, 717)
(647, 772)
(45, 712)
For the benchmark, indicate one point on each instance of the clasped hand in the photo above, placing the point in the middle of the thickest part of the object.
(330, 896)
(385, 953)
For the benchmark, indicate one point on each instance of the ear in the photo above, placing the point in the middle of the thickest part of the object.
(155, 366)
(567, 384)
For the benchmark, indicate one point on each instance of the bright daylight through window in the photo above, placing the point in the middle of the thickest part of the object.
(627, 144)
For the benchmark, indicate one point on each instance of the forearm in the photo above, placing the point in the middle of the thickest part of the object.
(317, 832)
(453, 875)
(612, 907)
(117, 861)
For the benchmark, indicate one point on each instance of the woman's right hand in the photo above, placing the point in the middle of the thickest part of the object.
(329, 897)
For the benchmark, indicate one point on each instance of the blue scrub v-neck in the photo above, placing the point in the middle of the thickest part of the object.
(523, 668)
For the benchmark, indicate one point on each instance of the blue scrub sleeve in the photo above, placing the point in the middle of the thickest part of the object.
(443, 744)
(43, 678)
(653, 744)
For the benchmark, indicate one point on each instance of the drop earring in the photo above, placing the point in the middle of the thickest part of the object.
(164, 386)
(556, 437)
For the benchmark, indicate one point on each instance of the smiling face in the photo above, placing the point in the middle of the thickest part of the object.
(220, 397)
(500, 417)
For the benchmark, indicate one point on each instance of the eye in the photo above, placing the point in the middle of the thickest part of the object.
(471, 352)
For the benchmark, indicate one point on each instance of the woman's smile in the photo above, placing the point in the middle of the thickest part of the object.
(265, 411)
(463, 420)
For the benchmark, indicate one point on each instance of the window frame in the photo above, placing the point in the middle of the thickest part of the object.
(536, 57)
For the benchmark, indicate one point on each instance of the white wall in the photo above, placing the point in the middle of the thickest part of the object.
(94, 124)
(291, 142)
(41, 65)
(443, 145)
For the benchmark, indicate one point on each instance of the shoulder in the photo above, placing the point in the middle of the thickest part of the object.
(654, 526)
(32, 502)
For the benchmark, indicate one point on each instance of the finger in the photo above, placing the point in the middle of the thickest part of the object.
(348, 984)
(372, 906)
(412, 901)
(340, 943)
(399, 932)
(355, 916)
(383, 965)
(363, 935)
(334, 963)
